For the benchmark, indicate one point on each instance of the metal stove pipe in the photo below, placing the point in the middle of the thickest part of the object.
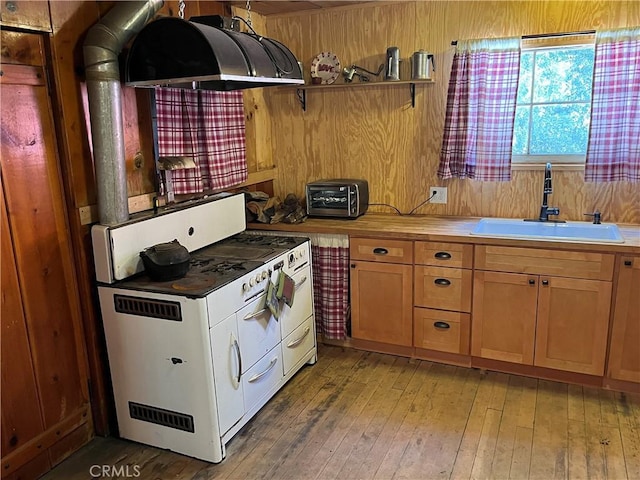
(102, 46)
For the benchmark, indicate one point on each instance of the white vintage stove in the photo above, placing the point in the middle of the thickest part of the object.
(193, 360)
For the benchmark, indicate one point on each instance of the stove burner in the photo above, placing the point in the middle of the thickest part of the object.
(224, 267)
(196, 262)
(250, 239)
(267, 241)
(282, 241)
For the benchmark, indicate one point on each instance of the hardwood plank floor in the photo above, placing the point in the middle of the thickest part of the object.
(372, 416)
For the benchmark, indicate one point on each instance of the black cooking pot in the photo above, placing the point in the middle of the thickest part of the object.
(166, 261)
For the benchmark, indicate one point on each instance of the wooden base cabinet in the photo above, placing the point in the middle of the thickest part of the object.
(522, 315)
(624, 350)
(381, 292)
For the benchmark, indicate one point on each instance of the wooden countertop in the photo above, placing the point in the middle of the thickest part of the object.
(443, 229)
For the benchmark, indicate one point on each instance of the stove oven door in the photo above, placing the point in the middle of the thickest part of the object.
(258, 332)
(227, 372)
(302, 308)
(296, 322)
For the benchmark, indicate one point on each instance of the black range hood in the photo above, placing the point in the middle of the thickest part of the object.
(196, 54)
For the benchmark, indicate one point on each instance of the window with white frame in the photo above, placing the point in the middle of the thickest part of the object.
(553, 107)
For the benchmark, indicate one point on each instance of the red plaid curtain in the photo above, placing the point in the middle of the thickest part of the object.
(481, 106)
(614, 135)
(207, 126)
(331, 284)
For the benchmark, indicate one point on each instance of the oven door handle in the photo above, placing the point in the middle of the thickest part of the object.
(238, 356)
(299, 284)
(298, 341)
(257, 376)
(249, 316)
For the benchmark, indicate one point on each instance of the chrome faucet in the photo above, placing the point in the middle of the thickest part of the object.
(545, 210)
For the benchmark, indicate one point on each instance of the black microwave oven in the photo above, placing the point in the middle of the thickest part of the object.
(344, 198)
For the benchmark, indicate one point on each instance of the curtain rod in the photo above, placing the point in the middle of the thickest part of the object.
(544, 35)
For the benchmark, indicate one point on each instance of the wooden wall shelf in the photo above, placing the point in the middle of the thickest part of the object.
(302, 91)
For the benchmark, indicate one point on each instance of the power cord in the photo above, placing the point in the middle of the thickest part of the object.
(387, 205)
(433, 194)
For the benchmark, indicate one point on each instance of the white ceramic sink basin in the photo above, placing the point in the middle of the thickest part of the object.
(569, 231)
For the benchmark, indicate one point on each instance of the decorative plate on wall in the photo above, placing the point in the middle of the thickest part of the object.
(325, 66)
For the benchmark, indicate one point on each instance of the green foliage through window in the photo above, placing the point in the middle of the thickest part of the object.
(554, 101)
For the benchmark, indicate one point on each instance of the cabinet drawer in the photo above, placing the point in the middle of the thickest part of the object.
(442, 288)
(298, 344)
(589, 265)
(381, 250)
(444, 254)
(441, 331)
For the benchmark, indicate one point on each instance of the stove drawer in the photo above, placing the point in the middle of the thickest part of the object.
(302, 308)
(298, 344)
(263, 378)
(258, 332)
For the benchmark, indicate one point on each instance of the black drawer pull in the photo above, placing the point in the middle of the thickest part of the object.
(628, 263)
(532, 281)
(380, 251)
(545, 282)
(442, 325)
(442, 282)
(443, 255)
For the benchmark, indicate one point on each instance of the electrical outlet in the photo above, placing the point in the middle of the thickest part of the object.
(440, 194)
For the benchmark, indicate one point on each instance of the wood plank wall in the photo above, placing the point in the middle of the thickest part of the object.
(373, 132)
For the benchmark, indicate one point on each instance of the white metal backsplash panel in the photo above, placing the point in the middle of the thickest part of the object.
(194, 227)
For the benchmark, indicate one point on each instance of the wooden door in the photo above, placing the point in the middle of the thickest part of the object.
(46, 280)
(381, 302)
(573, 321)
(21, 415)
(504, 316)
(624, 350)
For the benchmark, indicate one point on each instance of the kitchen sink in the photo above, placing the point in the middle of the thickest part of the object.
(569, 231)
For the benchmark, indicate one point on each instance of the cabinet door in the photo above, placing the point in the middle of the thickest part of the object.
(381, 302)
(624, 352)
(227, 366)
(573, 321)
(504, 316)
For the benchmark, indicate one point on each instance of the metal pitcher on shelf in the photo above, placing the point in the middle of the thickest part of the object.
(392, 71)
(422, 64)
